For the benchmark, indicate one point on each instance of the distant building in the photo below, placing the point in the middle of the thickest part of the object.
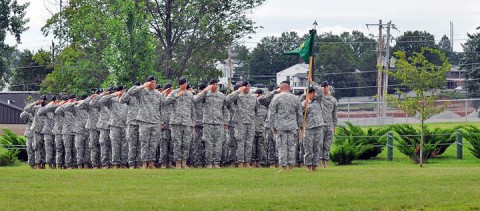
(12, 104)
(296, 74)
(456, 79)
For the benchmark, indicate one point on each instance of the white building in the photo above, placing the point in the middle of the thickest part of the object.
(296, 74)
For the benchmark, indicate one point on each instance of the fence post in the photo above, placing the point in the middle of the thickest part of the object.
(390, 146)
(459, 145)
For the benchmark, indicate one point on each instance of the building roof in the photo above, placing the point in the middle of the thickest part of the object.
(17, 99)
(300, 75)
(298, 68)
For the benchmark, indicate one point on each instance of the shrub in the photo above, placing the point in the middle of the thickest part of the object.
(8, 157)
(472, 134)
(350, 143)
(11, 141)
(436, 141)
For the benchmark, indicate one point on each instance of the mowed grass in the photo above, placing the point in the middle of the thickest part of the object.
(444, 183)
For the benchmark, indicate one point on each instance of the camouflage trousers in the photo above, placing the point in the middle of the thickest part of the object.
(312, 142)
(94, 146)
(244, 134)
(197, 149)
(300, 150)
(230, 147)
(83, 151)
(49, 148)
(271, 149)
(39, 146)
(133, 145)
(30, 151)
(105, 147)
(286, 145)
(166, 146)
(59, 151)
(327, 141)
(119, 145)
(214, 138)
(149, 137)
(181, 138)
(259, 153)
(70, 151)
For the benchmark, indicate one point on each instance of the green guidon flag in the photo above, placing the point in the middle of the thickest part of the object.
(305, 50)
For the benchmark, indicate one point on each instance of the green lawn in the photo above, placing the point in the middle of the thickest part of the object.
(445, 183)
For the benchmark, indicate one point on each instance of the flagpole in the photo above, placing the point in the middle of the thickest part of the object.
(309, 77)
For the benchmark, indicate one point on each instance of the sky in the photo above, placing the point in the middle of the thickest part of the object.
(336, 16)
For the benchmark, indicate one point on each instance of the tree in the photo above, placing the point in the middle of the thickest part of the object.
(414, 41)
(30, 70)
(13, 21)
(187, 29)
(423, 77)
(471, 64)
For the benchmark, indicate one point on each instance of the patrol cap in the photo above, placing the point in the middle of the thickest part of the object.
(245, 83)
(150, 78)
(311, 89)
(259, 91)
(167, 85)
(98, 90)
(137, 83)
(72, 96)
(83, 97)
(110, 89)
(324, 84)
(182, 80)
(43, 97)
(64, 97)
(119, 88)
(213, 81)
(202, 85)
(158, 86)
(54, 97)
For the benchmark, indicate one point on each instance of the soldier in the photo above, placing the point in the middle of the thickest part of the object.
(93, 132)
(329, 112)
(149, 119)
(159, 88)
(27, 115)
(166, 146)
(286, 117)
(244, 117)
(181, 123)
(103, 127)
(37, 126)
(134, 160)
(313, 126)
(271, 149)
(68, 110)
(81, 133)
(58, 134)
(259, 152)
(300, 150)
(117, 123)
(49, 112)
(198, 147)
(230, 146)
(214, 122)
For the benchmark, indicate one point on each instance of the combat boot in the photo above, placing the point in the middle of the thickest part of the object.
(80, 166)
(308, 168)
(247, 165)
(284, 168)
(216, 166)
(131, 167)
(151, 165)
(290, 168)
(209, 166)
(314, 168)
(240, 165)
(50, 166)
(163, 166)
(184, 164)
(178, 164)
(144, 165)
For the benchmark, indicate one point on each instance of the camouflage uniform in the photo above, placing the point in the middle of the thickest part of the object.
(259, 146)
(313, 129)
(329, 112)
(271, 149)
(229, 148)
(49, 112)
(181, 123)
(68, 134)
(149, 119)
(57, 131)
(102, 125)
(244, 129)
(166, 146)
(37, 126)
(81, 133)
(117, 122)
(93, 133)
(286, 117)
(132, 128)
(214, 120)
(197, 148)
(27, 115)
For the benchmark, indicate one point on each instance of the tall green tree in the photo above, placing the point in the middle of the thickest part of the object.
(186, 29)
(414, 41)
(471, 64)
(13, 21)
(423, 77)
(30, 70)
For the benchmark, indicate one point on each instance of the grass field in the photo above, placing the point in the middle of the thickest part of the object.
(445, 183)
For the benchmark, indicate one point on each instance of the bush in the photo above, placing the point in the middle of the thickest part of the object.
(472, 134)
(350, 143)
(435, 141)
(8, 157)
(11, 141)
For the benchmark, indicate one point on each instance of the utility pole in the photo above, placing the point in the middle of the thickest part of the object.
(451, 36)
(230, 67)
(379, 66)
(385, 75)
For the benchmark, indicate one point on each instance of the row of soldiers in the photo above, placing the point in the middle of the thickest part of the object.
(150, 126)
